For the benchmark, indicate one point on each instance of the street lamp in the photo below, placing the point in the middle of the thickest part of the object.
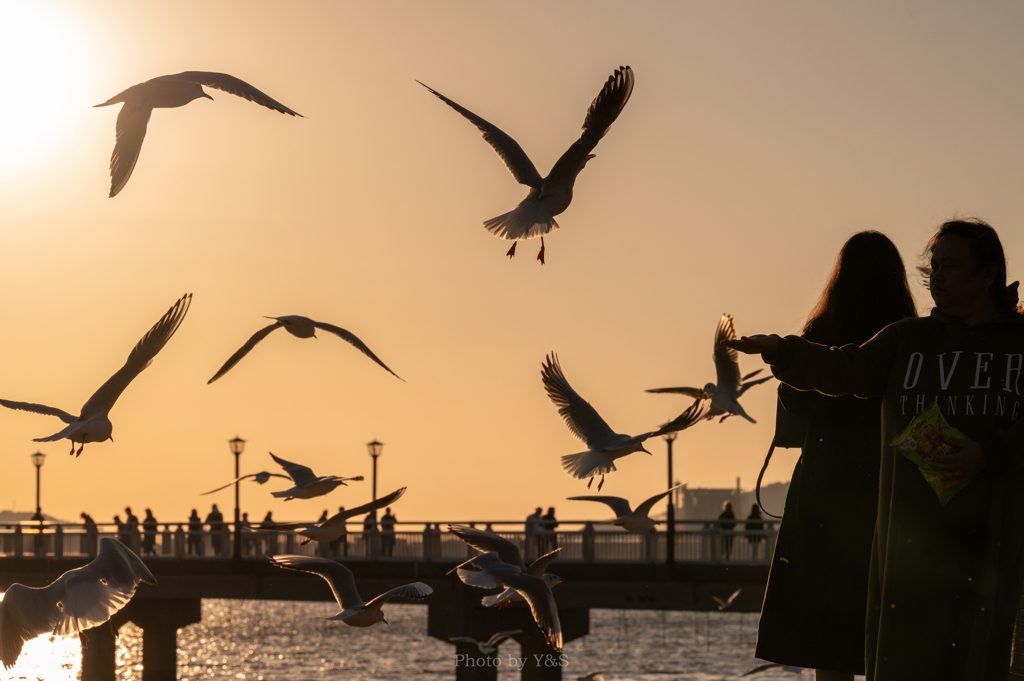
(670, 531)
(37, 461)
(375, 448)
(237, 445)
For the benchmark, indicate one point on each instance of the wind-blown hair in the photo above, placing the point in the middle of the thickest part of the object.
(986, 248)
(866, 292)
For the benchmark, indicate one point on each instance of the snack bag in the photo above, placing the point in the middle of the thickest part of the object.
(921, 440)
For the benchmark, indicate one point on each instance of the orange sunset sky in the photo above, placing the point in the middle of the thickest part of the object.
(759, 136)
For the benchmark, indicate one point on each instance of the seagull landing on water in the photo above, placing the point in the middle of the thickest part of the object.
(726, 394)
(167, 92)
(604, 444)
(354, 612)
(549, 196)
(93, 423)
(307, 484)
(333, 527)
(300, 327)
(625, 517)
(490, 645)
(78, 600)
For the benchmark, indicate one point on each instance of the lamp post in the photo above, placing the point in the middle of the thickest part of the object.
(670, 531)
(237, 445)
(37, 461)
(375, 449)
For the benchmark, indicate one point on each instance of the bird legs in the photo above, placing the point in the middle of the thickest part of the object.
(599, 485)
(512, 251)
(540, 256)
(73, 449)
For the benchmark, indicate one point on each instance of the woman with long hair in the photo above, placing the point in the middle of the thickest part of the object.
(816, 600)
(946, 572)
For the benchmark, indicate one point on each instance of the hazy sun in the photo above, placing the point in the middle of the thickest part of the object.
(43, 71)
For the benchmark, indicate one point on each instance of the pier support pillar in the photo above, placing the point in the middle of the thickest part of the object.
(99, 656)
(160, 620)
(540, 661)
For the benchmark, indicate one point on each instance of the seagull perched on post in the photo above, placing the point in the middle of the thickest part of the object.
(625, 517)
(167, 92)
(93, 423)
(79, 599)
(307, 484)
(354, 612)
(726, 393)
(300, 327)
(549, 196)
(490, 645)
(333, 527)
(605, 445)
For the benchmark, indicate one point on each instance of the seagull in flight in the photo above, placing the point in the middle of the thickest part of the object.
(549, 196)
(93, 423)
(604, 444)
(508, 552)
(333, 527)
(307, 484)
(79, 599)
(167, 92)
(354, 612)
(300, 327)
(726, 394)
(727, 603)
(774, 665)
(625, 517)
(489, 646)
(261, 477)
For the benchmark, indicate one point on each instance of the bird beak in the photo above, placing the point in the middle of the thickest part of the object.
(590, 156)
(208, 96)
(648, 453)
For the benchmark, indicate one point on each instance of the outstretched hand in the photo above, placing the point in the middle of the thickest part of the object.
(755, 345)
(966, 463)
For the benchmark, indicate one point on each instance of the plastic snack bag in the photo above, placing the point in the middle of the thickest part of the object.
(923, 439)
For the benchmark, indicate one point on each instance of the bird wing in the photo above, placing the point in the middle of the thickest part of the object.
(540, 566)
(140, 357)
(301, 475)
(645, 508)
(500, 636)
(94, 592)
(477, 578)
(603, 111)
(463, 639)
(485, 541)
(339, 518)
(341, 579)
(417, 591)
(750, 384)
(25, 613)
(700, 408)
(516, 160)
(689, 392)
(727, 364)
(537, 595)
(39, 409)
(244, 350)
(358, 344)
(620, 506)
(734, 595)
(129, 133)
(763, 668)
(234, 86)
(250, 475)
(581, 418)
(718, 600)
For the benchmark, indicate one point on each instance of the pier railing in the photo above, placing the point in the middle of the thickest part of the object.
(581, 541)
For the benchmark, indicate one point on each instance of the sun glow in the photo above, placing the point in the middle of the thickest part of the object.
(43, 62)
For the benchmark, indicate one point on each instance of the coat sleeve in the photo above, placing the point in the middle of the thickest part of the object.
(860, 370)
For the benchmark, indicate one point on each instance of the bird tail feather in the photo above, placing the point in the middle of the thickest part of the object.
(529, 220)
(587, 464)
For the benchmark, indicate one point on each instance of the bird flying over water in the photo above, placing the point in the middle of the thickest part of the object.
(167, 92)
(625, 517)
(333, 527)
(77, 600)
(549, 196)
(727, 603)
(307, 484)
(490, 645)
(354, 612)
(93, 423)
(604, 444)
(300, 327)
(726, 393)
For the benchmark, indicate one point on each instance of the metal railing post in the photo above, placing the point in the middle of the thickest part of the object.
(58, 542)
(588, 542)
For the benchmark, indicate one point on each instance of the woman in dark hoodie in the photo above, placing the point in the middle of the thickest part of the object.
(945, 578)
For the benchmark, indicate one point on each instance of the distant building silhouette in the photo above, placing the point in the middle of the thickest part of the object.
(702, 503)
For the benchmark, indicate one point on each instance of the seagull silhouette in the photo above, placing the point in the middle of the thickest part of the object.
(549, 196)
(307, 484)
(625, 517)
(93, 423)
(333, 527)
(167, 92)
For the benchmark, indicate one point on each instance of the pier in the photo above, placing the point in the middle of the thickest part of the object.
(603, 566)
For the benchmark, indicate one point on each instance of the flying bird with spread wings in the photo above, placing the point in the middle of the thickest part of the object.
(167, 92)
(308, 485)
(79, 599)
(300, 327)
(626, 517)
(93, 422)
(334, 527)
(549, 196)
(725, 394)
